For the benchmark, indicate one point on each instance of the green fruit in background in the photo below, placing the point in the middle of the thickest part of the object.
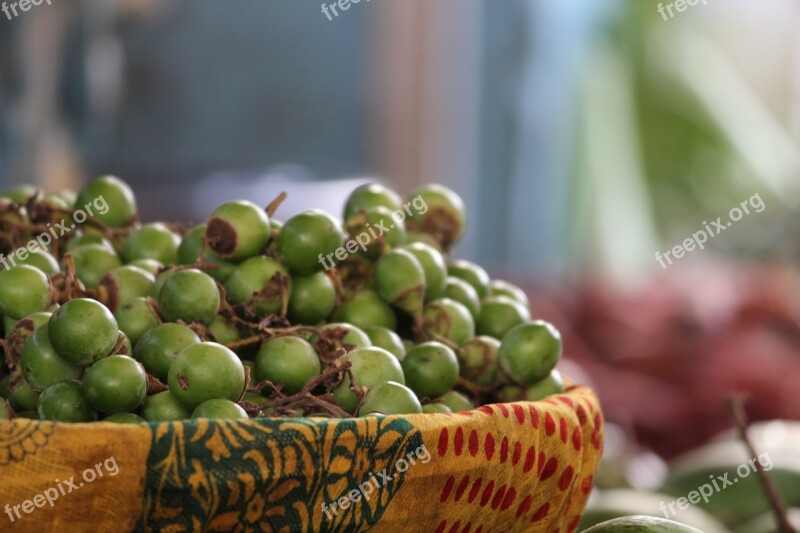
(456, 401)
(219, 409)
(158, 347)
(192, 246)
(123, 284)
(289, 360)
(206, 371)
(499, 315)
(472, 274)
(223, 331)
(436, 407)
(80, 238)
(161, 279)
(124, 418)
(148, 265)
(23, 327)
(641, 524)
(40, 363)
(439, 212)
(254, 275)
(430, 369)
(529, 352)
(307, 238)
(115, 384)
(450, 320)
(354, 336)
(4, 410)
(163, 407)
(386, 339)
(137, 317)
(478, 360)
(152, 241)
(313, 298)
(117, 197)
(22, 396)
(366, 309)
(189, 295)
(373, 231)
(510, 394)
(238, 230)
(462, 292)
(64, 402)
(20, 193)
(23, 290)
(370, 366)
(83, 331)
(40, 259)
(499, 287)
(389, 398)
(92, 262)
(433, 265)
(400, 280)
(371, 195)
(552, 384)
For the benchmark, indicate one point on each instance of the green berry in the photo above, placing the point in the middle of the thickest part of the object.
(113, 194)
(219, 409)
(478, 360)
(163, 407)
(224, 332)
(238, 230)
(436, 407)
(92, 262)
(371, 195)
(450, 320)
(499, 314)
(192, 246)
(83, 331)
(401, 280)
(431, 369)
(206, 371)
(510, 394)
(459, 290)
(552, 384)
(124, 418)
(82, 239)
(439, 212)
(370, 366)
(158, 347)
(472, 274)
(24, 290)
(434, 266)
(64, 402)
(366, 309)
(288, 360)
(152, 241)
(307, 239)
(386, 339)
(354, 336)
(136, 317)
(499, 287)
(115, 384)
(41, 365)
(189, 295)
(40, 259)
(148, 265)
(123, 284)
(260, 277)
(313, 298)
(390, 398)
(456, 401)
(375, 230)
(19, 194)
(529, 352)
(22, 395)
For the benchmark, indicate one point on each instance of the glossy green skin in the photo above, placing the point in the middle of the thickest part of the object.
(22, 327)
(68, 196)
(137, 317)
(87, 238)
(366, 309)
(386, 339)
(289, 360)
(219, 409)
(431, 369)
(499, 315)
(307, 236)
(83, 331)
(127, 347)
(371, 195)
(206, 371)
(152, 241)
(148, 265)
(158, 347)
(400, 280)
(189, 295)
(552, 384)
(529, 352)
(192, 245)
(223, 331)
(370, 366)
(641, 524)
(92, 262)
(161, 279)
(355, 336)
(250, 277)
(124, 418)
(24, 290)
(498, 287)
(449, 319)
(250, 225)
(390, 398)
(41, 365)
(42, 260)
(313, 298)
(456, 401)
(23, 397)
(436, 407)
(115, 384)
(162, 407)
(510, 393)
(434, 266)
(438, 199)
(64, 402)
(478, 360)
(472, 274)
(388, 231)
(129, 282)
(117, 194)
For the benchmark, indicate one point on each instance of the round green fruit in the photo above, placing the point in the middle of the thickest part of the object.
(189, 295)
(136, 317)
(22, 395)
(472, 274)
(148, 265)
(219, 409)
(456, 401)
(370, 366)
(529, 352)
(307, 238)
(436, 407)
(478, 360)
(499, 287)
(386, 339)
(431, 369)
(288, 360)
(366, 309)
(64, 402)
(552, 384)
(113, 200)
(192, 246)
(500, 314)
(375, 230)
(224, 332)
(42, 260)
(163, 407)
(459, 290)
(450, 320)
(313, 298)
(438, 212)
(238, 230)
(259, 276)
(371, 195)
(353, 336)
(159, 346)
(124, 418)
(41, 365)
(123, 284)
(92, 262)
(83, 331)
(23, 290)
(401, 280)
(206, 371)
(152, 241)
(389, 398)
(115, 384)
(434, 266)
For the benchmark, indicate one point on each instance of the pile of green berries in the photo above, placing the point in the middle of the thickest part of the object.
(245, 316)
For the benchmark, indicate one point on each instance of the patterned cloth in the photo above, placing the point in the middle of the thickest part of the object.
(502, 467)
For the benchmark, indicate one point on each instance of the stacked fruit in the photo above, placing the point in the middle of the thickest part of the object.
(246, 316)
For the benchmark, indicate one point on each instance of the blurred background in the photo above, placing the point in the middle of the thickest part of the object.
(585, 136)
